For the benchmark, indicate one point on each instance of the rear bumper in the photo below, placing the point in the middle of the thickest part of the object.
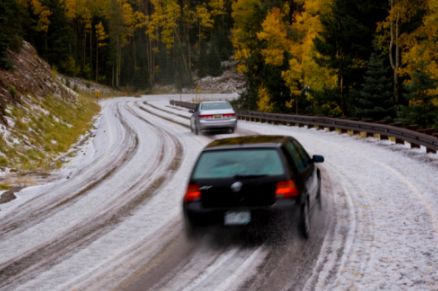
(206, 124)
(216, 215)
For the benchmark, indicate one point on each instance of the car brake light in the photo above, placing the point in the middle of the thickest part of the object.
(286, 189)
(206, 116)
(229, 115)
(193, 193)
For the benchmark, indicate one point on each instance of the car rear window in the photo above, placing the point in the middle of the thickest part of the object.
(245, 163)
(216, 105)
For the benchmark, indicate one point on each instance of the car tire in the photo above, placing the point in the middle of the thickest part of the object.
(304, 223)
(192, 227)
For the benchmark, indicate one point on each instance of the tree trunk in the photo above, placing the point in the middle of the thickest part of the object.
(119, 62)
(97, 62)
(91, 52)
(84, 50)
(151, 63)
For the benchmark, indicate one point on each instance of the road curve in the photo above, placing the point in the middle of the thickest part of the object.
(111, 219)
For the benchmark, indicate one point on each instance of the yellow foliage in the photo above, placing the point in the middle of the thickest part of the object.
(101, 35)
(87, 18)
(293, 76)
(242, 68)
(128, 17)
(217, 7)
(422, 48)
(43, 14)
(140, 20)
(274, 33)
(303, 70)
(280, 37)
(204, 17)
(163, 22)
(71, 8)
(264, 102)
(243, 34)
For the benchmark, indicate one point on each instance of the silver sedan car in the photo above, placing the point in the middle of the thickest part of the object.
(213, 116)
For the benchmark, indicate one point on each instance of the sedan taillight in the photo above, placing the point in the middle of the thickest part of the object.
(206, 116)
(193, 193)
(229, 115)
(286, 189)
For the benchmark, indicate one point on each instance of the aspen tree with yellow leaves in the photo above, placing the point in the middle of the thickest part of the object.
(297, 56)
(305, 77)
(102, 37)
(148, 42)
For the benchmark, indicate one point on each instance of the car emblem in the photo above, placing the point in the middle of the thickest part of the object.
(236, 186)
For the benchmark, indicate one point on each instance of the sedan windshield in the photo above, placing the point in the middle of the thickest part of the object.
(239, 164)
(215, 105)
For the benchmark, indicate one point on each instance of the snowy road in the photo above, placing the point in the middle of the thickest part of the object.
(111, 220)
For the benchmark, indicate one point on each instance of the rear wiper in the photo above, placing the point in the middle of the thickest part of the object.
(238, 176)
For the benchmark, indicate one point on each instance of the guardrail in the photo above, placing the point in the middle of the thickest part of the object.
(381, 131)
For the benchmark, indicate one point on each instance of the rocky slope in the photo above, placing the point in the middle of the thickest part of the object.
(42, 114)
(30, 76)
(229, 82)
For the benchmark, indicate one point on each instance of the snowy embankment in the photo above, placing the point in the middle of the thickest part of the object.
(112, 219)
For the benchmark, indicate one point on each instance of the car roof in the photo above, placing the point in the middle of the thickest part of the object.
(251, 141)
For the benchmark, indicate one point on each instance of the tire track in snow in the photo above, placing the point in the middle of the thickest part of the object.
(340, 226)
(360, 258)
(394, 234)
(84, 233)
(289, 257)
(164, 117)
(146, 250)
(339, 246)
(220, 262)
(217, 262)
(25, 218)
(166, 111)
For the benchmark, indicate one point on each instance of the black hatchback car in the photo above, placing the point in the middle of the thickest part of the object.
(237, 179)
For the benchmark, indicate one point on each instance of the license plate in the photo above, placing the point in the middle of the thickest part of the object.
(218, 116)
(237, 217)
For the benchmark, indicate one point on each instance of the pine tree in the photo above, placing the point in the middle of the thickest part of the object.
(375, 99)
(9, 29)
(346, 42)
(59, 36)
(421, 95)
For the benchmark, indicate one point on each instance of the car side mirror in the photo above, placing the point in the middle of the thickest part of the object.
(318, 159)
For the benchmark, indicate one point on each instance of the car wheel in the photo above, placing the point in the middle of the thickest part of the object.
(304, 221)
(191, 227)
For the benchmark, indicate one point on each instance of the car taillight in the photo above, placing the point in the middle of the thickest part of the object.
(206, 116)
(229, 115)
(286, 189)
(193, 193)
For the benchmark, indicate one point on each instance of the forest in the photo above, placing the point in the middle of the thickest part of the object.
(370, 59)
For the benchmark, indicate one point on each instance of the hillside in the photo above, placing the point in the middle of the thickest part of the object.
(41, 117)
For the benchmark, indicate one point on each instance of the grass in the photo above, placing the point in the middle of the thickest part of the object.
(43, 137)
(4, 187)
